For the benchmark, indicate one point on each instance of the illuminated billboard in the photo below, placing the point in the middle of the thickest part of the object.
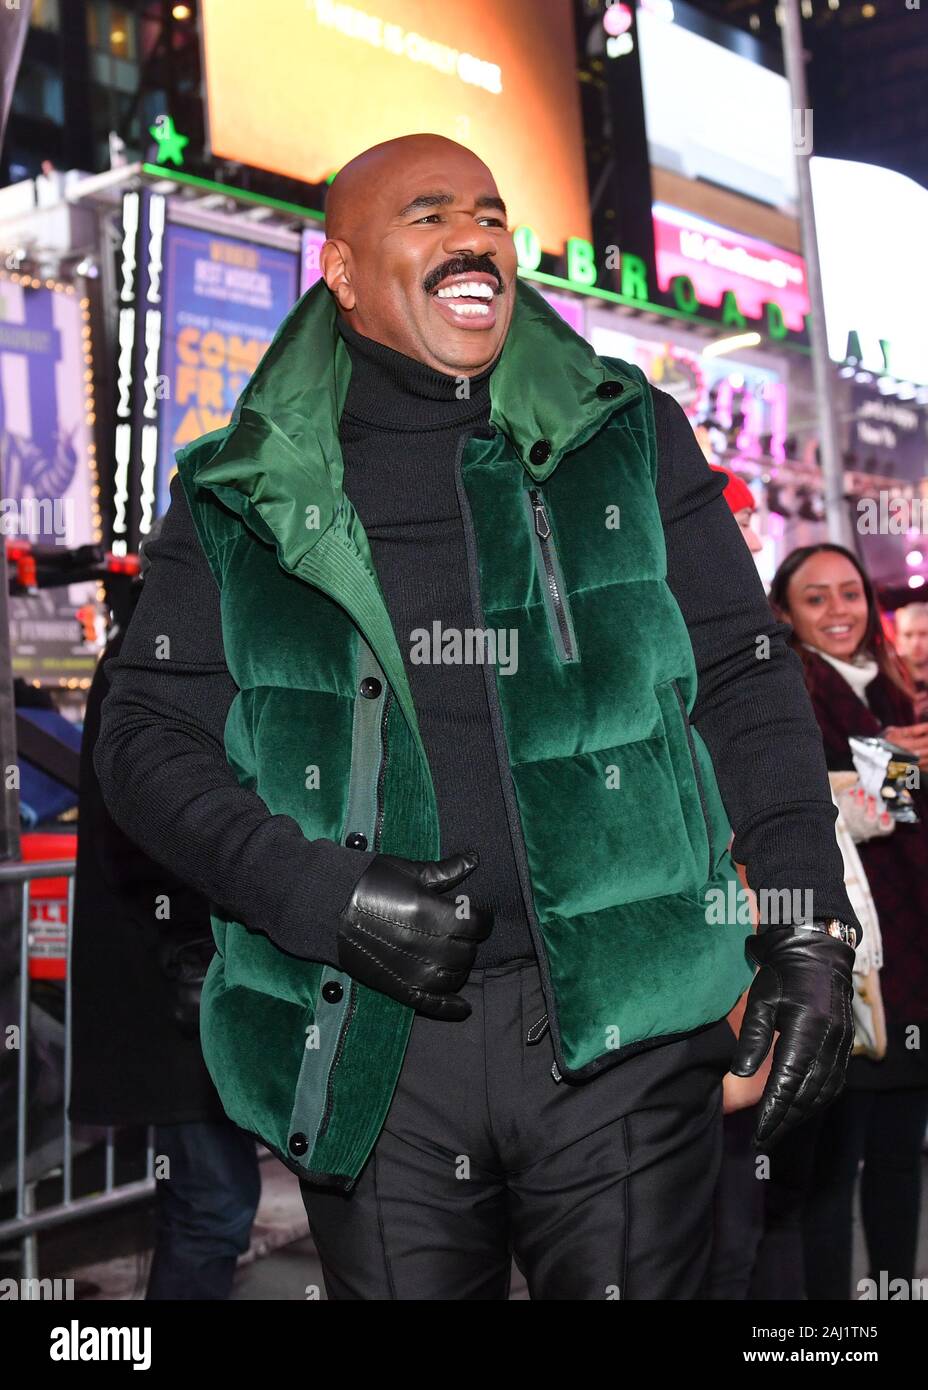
(724, 390)
(872, 227)
(301, 86)
(713, 111)
(719, 260)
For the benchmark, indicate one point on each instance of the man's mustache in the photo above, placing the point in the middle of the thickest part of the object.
(462, 265)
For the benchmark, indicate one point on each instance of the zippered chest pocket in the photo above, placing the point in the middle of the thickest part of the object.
(551, 578)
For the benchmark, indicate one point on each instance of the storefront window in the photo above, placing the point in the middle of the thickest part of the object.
(38, 92)
(44, 14)
(111, 30)
(122, 32)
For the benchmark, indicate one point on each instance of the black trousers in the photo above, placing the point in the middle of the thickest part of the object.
(885, 1130)
(599, 1190)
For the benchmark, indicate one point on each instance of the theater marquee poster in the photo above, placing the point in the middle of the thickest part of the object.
(223, 302)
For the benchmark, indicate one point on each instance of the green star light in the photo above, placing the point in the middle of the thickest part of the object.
(170, 142)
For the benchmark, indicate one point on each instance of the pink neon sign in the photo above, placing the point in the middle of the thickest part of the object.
(310, 272)
(717, 259)
(570, 310)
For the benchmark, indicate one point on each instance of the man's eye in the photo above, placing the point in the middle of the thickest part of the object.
(435, 216)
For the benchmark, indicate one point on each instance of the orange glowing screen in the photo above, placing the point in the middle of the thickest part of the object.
(301, 86)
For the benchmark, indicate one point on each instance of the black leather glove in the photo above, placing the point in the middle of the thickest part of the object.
(398, 936)
(804, 990)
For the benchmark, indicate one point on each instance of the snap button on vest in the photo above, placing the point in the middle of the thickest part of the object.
(540, 452)
(298, 1144)
(607, 389)
(332, 992)
(370, 687)
(356, 840)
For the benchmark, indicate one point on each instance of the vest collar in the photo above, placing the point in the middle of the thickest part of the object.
(278, 462)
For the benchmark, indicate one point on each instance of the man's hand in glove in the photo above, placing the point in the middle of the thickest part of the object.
(398, 936)
(803, 989)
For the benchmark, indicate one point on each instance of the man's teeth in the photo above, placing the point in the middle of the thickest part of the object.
(471, 288)
(481, 310)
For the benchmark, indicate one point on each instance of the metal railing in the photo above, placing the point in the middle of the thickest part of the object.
(27, 1222)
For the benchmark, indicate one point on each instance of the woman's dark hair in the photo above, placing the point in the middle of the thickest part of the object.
(874, 640)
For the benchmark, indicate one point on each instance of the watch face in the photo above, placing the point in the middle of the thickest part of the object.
(842, 931)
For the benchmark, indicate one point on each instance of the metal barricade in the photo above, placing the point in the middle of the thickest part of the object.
(27, 1221)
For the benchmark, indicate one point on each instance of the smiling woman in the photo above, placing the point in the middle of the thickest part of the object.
(824, 592)
(859, 687)
(828, 604)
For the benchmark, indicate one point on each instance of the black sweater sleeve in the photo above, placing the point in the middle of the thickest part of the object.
(752, 707)
(160, 759)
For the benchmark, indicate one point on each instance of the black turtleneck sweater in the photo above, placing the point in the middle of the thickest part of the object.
(400, 430)
(160, 754)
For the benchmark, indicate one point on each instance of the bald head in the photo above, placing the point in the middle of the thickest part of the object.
(368, 177)
(410, 217)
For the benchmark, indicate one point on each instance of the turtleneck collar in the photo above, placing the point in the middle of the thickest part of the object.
(392, 391)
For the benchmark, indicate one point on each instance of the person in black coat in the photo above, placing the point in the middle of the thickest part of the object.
(859, 688)
(140, 946)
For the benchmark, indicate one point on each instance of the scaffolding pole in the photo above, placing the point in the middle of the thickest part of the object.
(837, 517)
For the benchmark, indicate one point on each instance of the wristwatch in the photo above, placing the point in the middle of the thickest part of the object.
(833, 926)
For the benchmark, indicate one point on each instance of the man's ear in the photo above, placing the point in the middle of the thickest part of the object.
(333, 262)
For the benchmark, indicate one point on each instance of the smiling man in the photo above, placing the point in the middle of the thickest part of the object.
(466, 985)
(388, 265)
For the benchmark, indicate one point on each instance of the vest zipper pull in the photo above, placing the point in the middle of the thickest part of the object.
(537, 1030)
(541, 516)
(551, 579)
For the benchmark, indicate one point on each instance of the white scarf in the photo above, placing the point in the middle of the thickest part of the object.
(858, 673)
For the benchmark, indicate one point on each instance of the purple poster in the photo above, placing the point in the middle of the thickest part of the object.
(223, 302)
(46, 448)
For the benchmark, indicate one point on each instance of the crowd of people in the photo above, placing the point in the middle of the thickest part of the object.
(791, 1236)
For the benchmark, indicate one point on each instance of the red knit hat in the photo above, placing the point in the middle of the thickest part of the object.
(737, 494)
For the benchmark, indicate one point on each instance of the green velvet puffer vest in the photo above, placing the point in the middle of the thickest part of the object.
(616, 817)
